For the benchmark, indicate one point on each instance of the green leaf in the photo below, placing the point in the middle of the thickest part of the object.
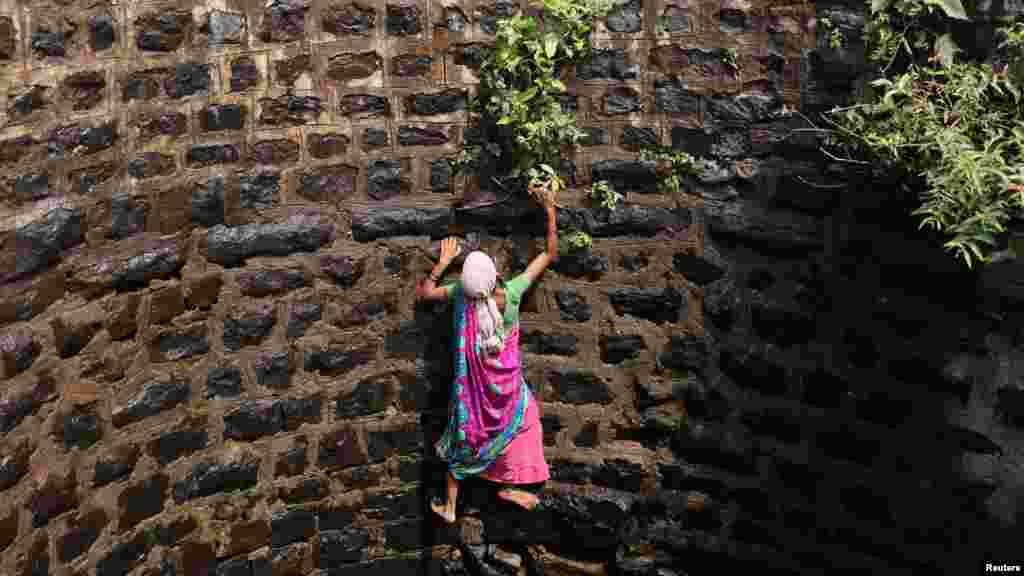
(953, 9)
(879, 5)
(550, 45)
(504, 120)
(946, 49)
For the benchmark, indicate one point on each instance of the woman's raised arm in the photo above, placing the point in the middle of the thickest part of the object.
(541, 262)
(427, 289)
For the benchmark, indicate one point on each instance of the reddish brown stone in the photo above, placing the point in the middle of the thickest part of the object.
(287, 71)
(142, 500)
(8, 527)
(203, 291)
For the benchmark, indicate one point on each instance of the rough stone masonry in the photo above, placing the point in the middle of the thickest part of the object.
(211, 219)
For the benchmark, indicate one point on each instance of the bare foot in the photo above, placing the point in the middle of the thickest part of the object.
(519, 497)
(446, 512)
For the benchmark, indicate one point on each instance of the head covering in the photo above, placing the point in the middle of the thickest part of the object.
(479, 278)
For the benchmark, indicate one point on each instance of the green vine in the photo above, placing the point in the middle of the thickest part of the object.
(603, 195)
(520, 94)
(949, 129)
(675, 166)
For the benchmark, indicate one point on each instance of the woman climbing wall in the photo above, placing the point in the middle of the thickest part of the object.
(494, 428)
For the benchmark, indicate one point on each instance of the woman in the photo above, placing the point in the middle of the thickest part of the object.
(494, 426)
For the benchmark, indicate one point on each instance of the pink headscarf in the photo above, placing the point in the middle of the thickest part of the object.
(479, 278)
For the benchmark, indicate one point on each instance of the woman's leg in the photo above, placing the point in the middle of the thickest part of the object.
(447, 510)
(519, 497)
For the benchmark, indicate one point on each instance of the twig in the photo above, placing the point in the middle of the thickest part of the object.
(844, 160)
(822, 186)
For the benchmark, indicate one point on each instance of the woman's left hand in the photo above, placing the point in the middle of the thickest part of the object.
(449, 250)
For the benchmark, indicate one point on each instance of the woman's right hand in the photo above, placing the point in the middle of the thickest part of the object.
(449, 250)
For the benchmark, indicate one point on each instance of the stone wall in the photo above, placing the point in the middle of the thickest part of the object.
(213, 216)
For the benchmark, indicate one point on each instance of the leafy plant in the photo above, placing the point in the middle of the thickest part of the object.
(603, 195)
(835, 36)
(950, 129)
(520, 94)
(731, 59)
(675, 167)
(574, 241)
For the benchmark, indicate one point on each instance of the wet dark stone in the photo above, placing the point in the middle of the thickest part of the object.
(141, 501)
(233, 245)
(342, 269)
(368, 397)
(338, 547)
(734, 20)
(222, 117)
(448, 101)
(244, 74)
(162, 32)
(283, 21)
(675, 19)
(695, 141)
(328, 183)
(142, 85)
(252, 420)
(80, 141)
(741, 110)
(572, 306)
(411, 65)
(273, 369)
(649, 303)
(32, 186)
(350, 18)
(672, 96)
(403, 19)
(618, 348)
(200, 156)
(289, 110)
(582, 263)
(300, 317)
(635, 138)
(153, 399)
(336, 361)
(278, 151)
(189, 78)
(578, 386)
(150, 165)
(372, 223)
(415, 136)
(634, 262)
(85, 90)
(178, 345)
(291, 526)
(50, 44)
(322, 146)
(260, 190)
(556, 344)
(80, 428)
(454, 19)
(119, 465)
(626, 17)
(440, 176)
(595, 136)
(750, 370)
(41, 242)
(224, 28)
(82, 533)
(207, 203)
(364, 105)
(384, 178)
(626, 175)
(695, 269)
(354, 65)
(177, 444)
(124, 556)
(250, 328)
(470, 55)
(208, 478)
(27, 101)
(56, 496)
(375, 138)
(620, 100)
(611, 64)
(225, 382)
(259, 283)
